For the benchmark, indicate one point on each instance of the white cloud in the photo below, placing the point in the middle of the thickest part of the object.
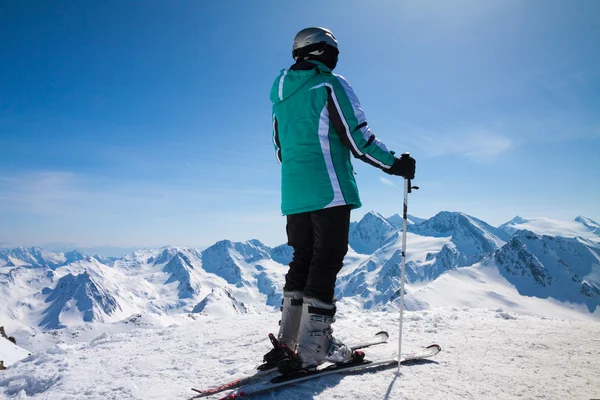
(51, 206)
(480, 146)
(386, 181)
(65, 193)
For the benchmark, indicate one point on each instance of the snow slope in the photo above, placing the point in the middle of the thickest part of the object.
(535, 274)
(482, 285)
(10, 353)
(487, 354)
(580, 226)
(566, 269)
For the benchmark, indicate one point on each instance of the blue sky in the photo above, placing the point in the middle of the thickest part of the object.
(148, 122)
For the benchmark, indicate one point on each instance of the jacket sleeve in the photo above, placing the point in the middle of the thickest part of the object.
(276, 142)
(350, 123)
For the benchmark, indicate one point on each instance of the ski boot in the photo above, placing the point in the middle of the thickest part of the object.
(316, 343)
(286, 342)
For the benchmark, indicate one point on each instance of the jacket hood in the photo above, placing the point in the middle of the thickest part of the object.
(290, 81)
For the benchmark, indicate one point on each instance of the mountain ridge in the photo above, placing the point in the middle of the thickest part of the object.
(231, 274)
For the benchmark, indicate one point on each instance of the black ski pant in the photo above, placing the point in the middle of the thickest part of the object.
(320, 242)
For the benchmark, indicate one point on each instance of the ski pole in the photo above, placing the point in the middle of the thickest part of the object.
(407, 189)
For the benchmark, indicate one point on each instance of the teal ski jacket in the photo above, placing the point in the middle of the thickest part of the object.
(317, 123)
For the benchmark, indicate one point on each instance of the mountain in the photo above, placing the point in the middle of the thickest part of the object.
(580, 226)
(105, 260)
(73, 256)
(170, 252)
(372, 281)
(370, 233)
(36, 257)
(283, 254)
(471, 239)
(451, 259)
(593, 226)
(32, 257)
(20, 300)
(397, 221)
(75, 295)
(230, 260)
(180, 270)
(566, 269)
(510, 227)
(162, 281)
(220, 302)
(253, 269)
(445, 242)
(138, 259)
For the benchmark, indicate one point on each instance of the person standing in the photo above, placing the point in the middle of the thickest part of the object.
(318, 123)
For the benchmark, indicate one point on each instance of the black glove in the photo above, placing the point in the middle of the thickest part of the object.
(404, 166)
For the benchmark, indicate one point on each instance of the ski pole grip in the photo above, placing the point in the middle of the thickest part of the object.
(407, 155)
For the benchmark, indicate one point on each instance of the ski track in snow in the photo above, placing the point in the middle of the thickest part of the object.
(487, 354)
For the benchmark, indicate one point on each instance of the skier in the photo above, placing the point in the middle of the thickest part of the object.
(317, 123)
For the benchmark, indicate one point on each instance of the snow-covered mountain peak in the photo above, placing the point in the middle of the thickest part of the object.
(516, 220)
(444, 223)
(370, 233)
(257, 243)
(373, 216)
(77, 297)
(33, 257)
(73, 256)
(166, 255)
(567, 269)
(180, 269)
(457, 224)
(169, 252)
(171, 280)
(473, 239)
(229, 259)
(138, 258)
(110, 261)
(397, 221)
(24, 276)
(592, 225)
(581, 226)
(220, 302)
(244, 251)
(585, 220)
(282, 254)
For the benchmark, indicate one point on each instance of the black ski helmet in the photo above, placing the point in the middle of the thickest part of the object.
(316, 44)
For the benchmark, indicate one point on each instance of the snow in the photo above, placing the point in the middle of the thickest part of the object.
(482, 285)
(397, 220)
(581, 226)
(10, 353)
(508, 306)
(220, 303)
(370, 233)
(487, 354)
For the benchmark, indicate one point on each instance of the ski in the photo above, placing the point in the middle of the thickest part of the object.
(266, 374)
(280, 381)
